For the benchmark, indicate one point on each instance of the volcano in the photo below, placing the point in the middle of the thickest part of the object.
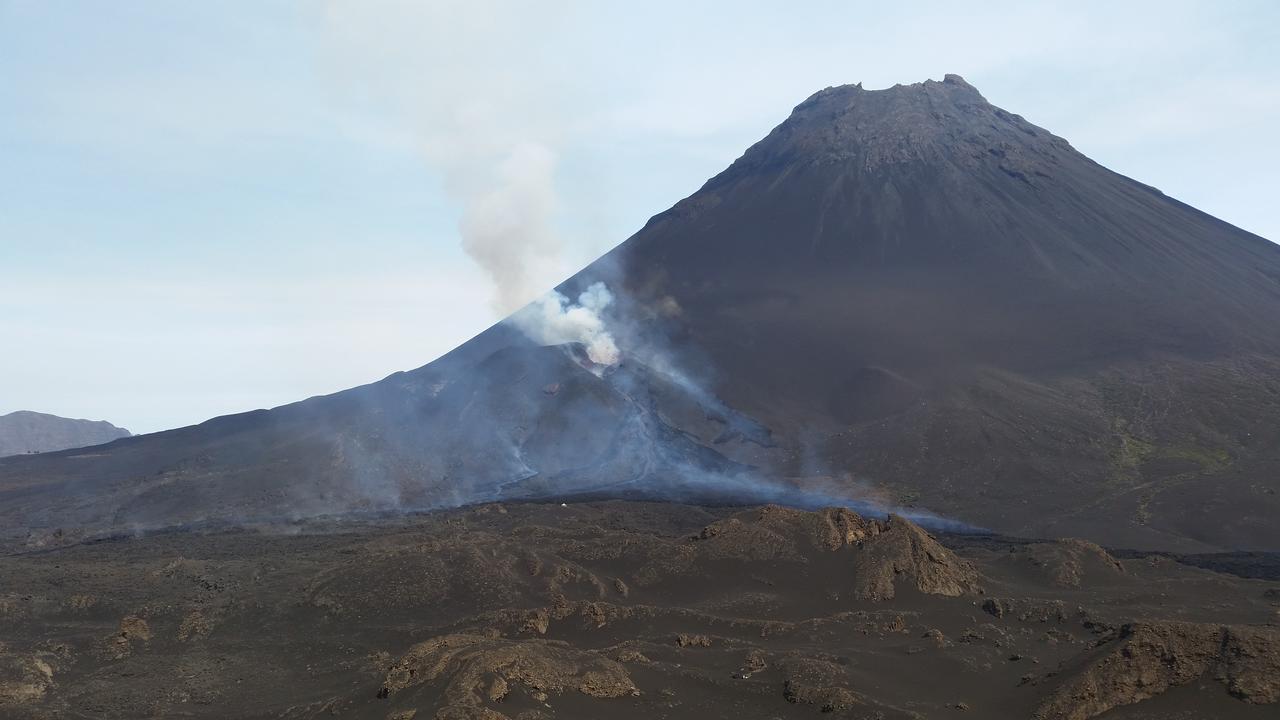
(907, 296)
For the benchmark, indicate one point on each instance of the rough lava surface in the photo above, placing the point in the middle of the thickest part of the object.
(622, 609)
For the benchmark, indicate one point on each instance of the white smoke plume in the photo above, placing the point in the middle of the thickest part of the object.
(553, 320)
(506, 227)
(461, 82)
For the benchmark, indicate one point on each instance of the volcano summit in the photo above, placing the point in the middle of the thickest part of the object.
(907, 296)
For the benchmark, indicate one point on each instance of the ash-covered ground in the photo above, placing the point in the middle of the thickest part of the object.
(631, 610)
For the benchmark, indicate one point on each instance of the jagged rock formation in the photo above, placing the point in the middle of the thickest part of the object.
(23, 680)
(475, 669)
(1146, 659)
(880, 553)
(25, 432)
(1070, 562)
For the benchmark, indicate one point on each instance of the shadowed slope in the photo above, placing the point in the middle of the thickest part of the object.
(958, 305)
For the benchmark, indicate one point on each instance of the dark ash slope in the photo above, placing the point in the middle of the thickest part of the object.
(958, 305)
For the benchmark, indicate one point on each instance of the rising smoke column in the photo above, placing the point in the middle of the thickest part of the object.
(506, 226)
(490, 113)
(463, 83)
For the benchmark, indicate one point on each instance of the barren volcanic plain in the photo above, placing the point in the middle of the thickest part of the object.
(631, 610)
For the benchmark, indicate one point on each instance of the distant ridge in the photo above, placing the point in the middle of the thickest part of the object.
(24, 432)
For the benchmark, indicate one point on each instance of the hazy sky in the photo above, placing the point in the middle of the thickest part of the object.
(214, 207)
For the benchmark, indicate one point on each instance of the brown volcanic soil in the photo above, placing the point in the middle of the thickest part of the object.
(628, 610)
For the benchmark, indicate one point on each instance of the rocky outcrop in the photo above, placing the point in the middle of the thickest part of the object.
(1071, 562)
(24, 680)
(1146, 659)
(903, 552)
(881, 553)
(809, 681)
(774, 531)
(477, 670)
(133, 630)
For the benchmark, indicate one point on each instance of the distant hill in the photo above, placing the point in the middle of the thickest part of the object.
(25, 432)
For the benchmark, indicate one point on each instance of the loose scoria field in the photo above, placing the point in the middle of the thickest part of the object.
(630, 610)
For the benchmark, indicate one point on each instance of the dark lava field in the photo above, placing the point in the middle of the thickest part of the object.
(630, 610)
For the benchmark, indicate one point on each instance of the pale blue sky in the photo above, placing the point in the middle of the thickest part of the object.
(213, 207)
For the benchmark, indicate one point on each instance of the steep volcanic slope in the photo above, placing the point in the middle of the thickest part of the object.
(523, 421)
(898, 238)
(32, 432)
(908, 287)
(956, 304)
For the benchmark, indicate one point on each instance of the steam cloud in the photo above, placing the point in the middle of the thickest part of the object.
(553, 320)
(506, 226)
(459, 82)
